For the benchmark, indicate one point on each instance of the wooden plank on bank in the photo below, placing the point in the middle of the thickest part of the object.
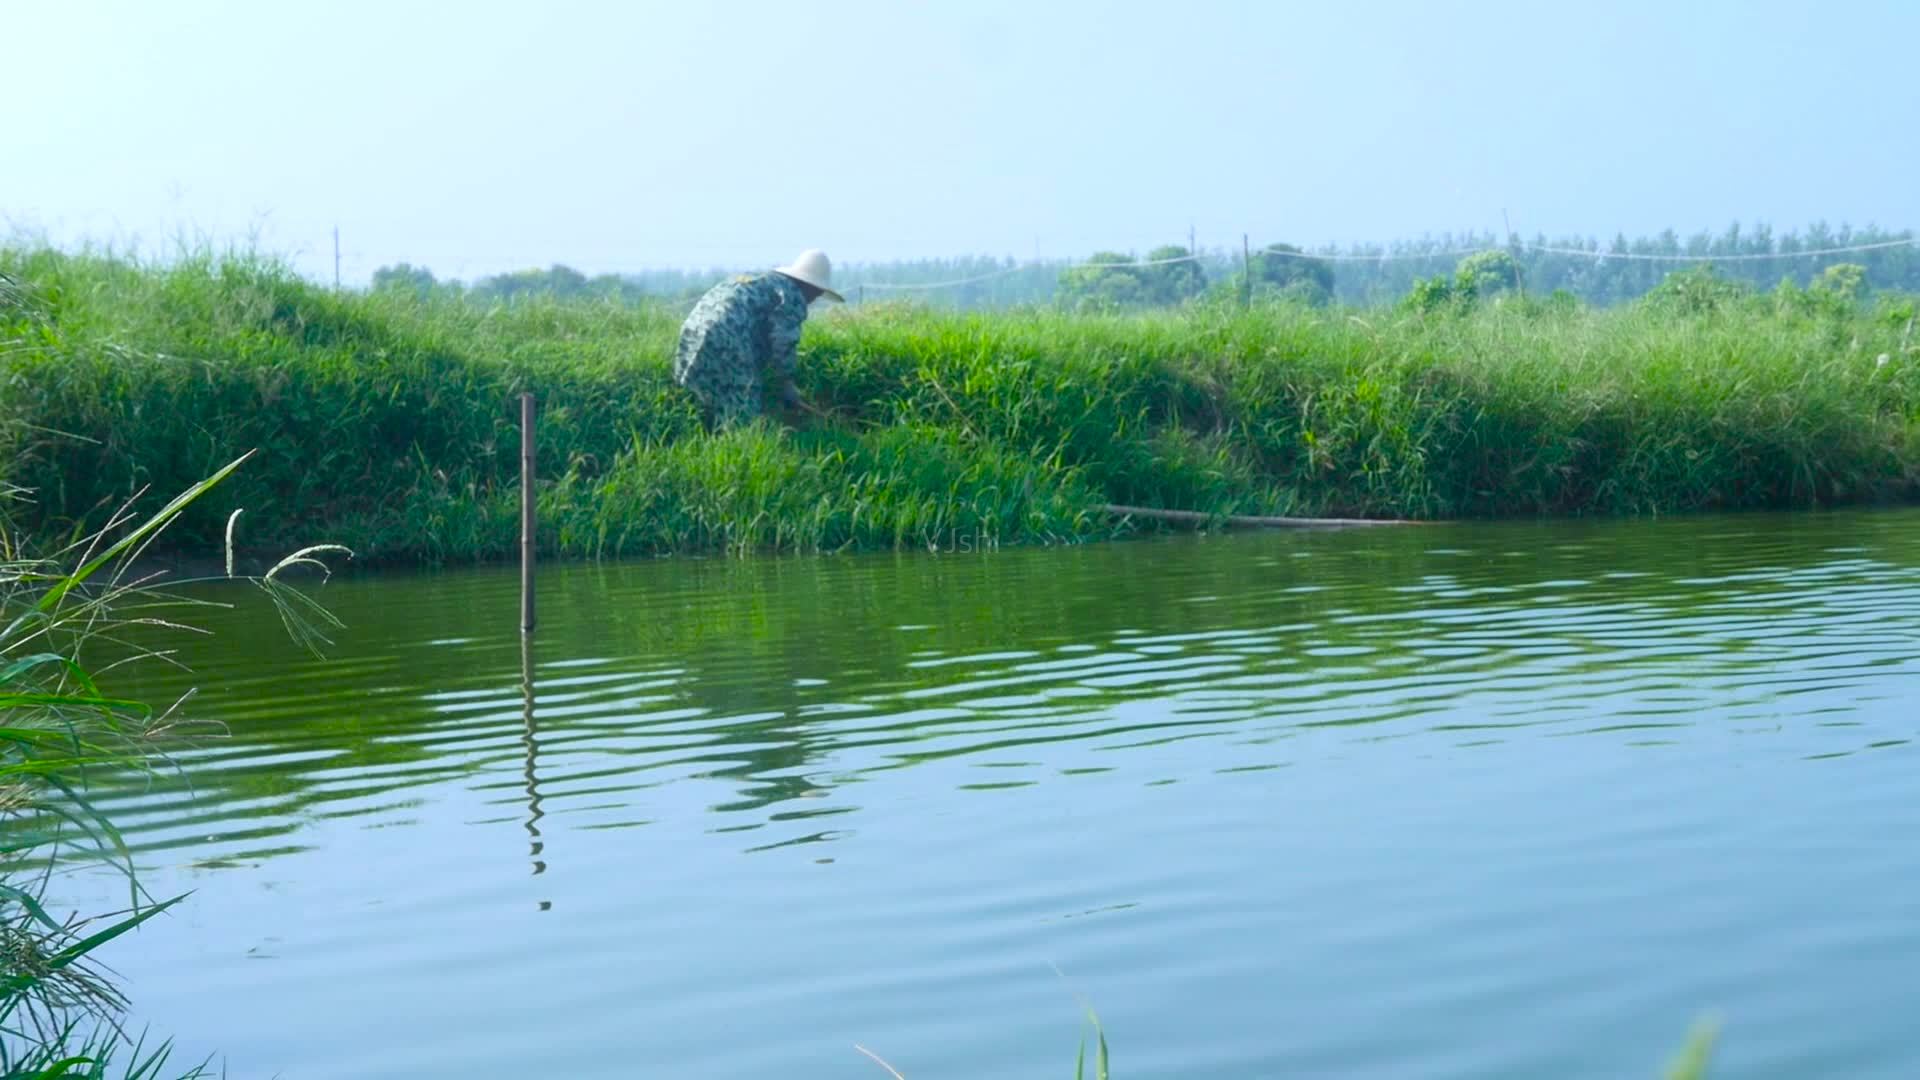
(1193, 517)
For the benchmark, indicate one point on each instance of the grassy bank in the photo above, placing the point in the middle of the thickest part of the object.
(387, 421)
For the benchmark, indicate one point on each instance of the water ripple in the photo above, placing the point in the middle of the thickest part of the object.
(1411, 784)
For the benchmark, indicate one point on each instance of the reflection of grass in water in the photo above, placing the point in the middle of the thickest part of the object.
(734, 631)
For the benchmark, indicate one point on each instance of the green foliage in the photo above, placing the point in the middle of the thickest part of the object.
(1843, 281)
(1835, 296)
(57, 728)
(1694, 1057)
(388, 420)
(1116, 282)
(1285, 273)
(1696, 291)
(1435, 294)
(417, 281)
(1486, 273)
(1170, 283)
(1282, 276)
(757, 488)
(70, 1054)
(1108, 283)
(1279, 266)
(1764, 258)
(1562, 302)
(1477, 277)
(1101, 1067)
(1898, 312)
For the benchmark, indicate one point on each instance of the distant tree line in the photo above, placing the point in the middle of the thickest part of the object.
(1764, 260)
(555, 281)
(1359, 275)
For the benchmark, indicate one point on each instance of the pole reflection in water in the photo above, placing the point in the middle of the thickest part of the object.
(532, 745)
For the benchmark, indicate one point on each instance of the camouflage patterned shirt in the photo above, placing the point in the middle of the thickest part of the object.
(740, 328)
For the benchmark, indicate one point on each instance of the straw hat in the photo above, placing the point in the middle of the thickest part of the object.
(812, 268)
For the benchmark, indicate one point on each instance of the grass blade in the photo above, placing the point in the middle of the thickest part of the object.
(1692, 1060)
(159, 520)
(31, 903)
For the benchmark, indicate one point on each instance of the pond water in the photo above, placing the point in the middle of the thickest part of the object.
(1510, 800)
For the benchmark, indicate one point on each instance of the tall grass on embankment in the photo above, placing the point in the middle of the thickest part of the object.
(389, 422)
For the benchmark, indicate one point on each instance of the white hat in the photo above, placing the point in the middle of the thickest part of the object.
(813, 269)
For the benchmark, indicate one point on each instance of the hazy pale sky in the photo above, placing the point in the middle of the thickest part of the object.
(481, 136)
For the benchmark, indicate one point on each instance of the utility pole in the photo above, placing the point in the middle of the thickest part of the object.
(1246, 269)
(336, 258)
(1191, 250)
(1513, 247)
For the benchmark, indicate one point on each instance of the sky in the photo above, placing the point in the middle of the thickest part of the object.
(479, 137)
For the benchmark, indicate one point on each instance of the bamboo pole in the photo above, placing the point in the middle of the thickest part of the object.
(526, 513)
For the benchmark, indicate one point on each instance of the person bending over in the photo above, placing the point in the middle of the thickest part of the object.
(745, 330)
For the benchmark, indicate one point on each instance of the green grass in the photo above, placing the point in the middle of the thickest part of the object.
(1693, 1058)
(389, 422)
(68, 618)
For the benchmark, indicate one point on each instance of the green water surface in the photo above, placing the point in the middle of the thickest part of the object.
(1479, 801)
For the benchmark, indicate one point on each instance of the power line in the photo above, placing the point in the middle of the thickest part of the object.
(1011, 270)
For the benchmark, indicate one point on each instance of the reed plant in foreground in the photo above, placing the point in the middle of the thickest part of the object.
(67, 620)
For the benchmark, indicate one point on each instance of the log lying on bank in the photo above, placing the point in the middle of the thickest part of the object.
(1193, 517)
